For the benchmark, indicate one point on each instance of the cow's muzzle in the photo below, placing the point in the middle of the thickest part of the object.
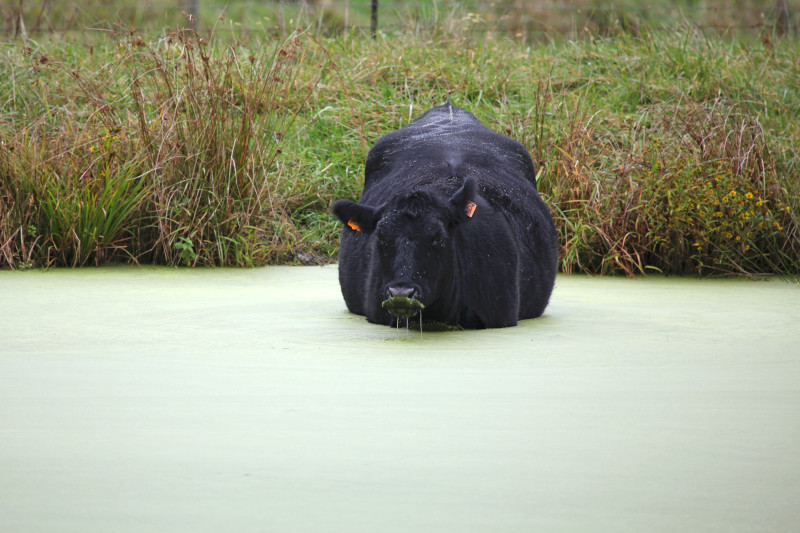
(401, 302)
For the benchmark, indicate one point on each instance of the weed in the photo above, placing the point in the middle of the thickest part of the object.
(674, 153)
(177, 133)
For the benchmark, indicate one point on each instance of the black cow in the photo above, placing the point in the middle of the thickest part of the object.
(449, 225)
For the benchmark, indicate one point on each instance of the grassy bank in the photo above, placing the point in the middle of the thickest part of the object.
(671, 152)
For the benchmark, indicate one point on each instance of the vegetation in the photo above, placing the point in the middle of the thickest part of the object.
(663, 151)
(522, 20)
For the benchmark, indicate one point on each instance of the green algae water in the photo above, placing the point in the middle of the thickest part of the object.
(139, 399)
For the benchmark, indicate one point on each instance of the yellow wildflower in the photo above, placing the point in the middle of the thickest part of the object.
(749, 196)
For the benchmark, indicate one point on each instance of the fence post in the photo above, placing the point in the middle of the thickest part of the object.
(18, 22)
(373, 25)
(782, 12)
(192, 11)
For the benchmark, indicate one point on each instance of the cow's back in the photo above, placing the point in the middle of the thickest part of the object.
(444, 141)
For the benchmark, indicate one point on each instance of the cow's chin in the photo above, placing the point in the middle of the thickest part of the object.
(402, 307)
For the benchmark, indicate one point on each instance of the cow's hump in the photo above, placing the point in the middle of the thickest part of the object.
(445, 137)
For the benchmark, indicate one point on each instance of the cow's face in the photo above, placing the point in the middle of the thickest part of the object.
(413, 257)
(412, 235)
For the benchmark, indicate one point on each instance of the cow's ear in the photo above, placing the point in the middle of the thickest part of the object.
(464, 201)
(357, 217)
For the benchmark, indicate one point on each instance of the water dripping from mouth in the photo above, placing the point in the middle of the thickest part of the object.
(398, 324)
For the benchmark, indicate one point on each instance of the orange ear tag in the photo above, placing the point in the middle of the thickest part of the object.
(353, 225)
(470, 209)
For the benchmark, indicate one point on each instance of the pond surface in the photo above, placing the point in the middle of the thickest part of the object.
(139, 399)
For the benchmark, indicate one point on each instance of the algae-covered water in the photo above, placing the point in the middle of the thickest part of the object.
(138, 399)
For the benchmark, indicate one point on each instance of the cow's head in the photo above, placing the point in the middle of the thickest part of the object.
(412, 235)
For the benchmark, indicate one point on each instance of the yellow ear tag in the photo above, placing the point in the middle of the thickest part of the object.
(470, 209)
(353, 225)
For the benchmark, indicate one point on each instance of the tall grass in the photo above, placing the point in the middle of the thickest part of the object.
(673, 153)
(668, 152)
(529, 20)
(159, 150)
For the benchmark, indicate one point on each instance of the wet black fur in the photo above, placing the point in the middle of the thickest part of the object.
(490, 270)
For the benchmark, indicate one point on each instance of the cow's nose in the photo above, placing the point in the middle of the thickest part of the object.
(401, 292)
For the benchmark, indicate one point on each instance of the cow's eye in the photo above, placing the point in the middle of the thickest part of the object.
(438, 240)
